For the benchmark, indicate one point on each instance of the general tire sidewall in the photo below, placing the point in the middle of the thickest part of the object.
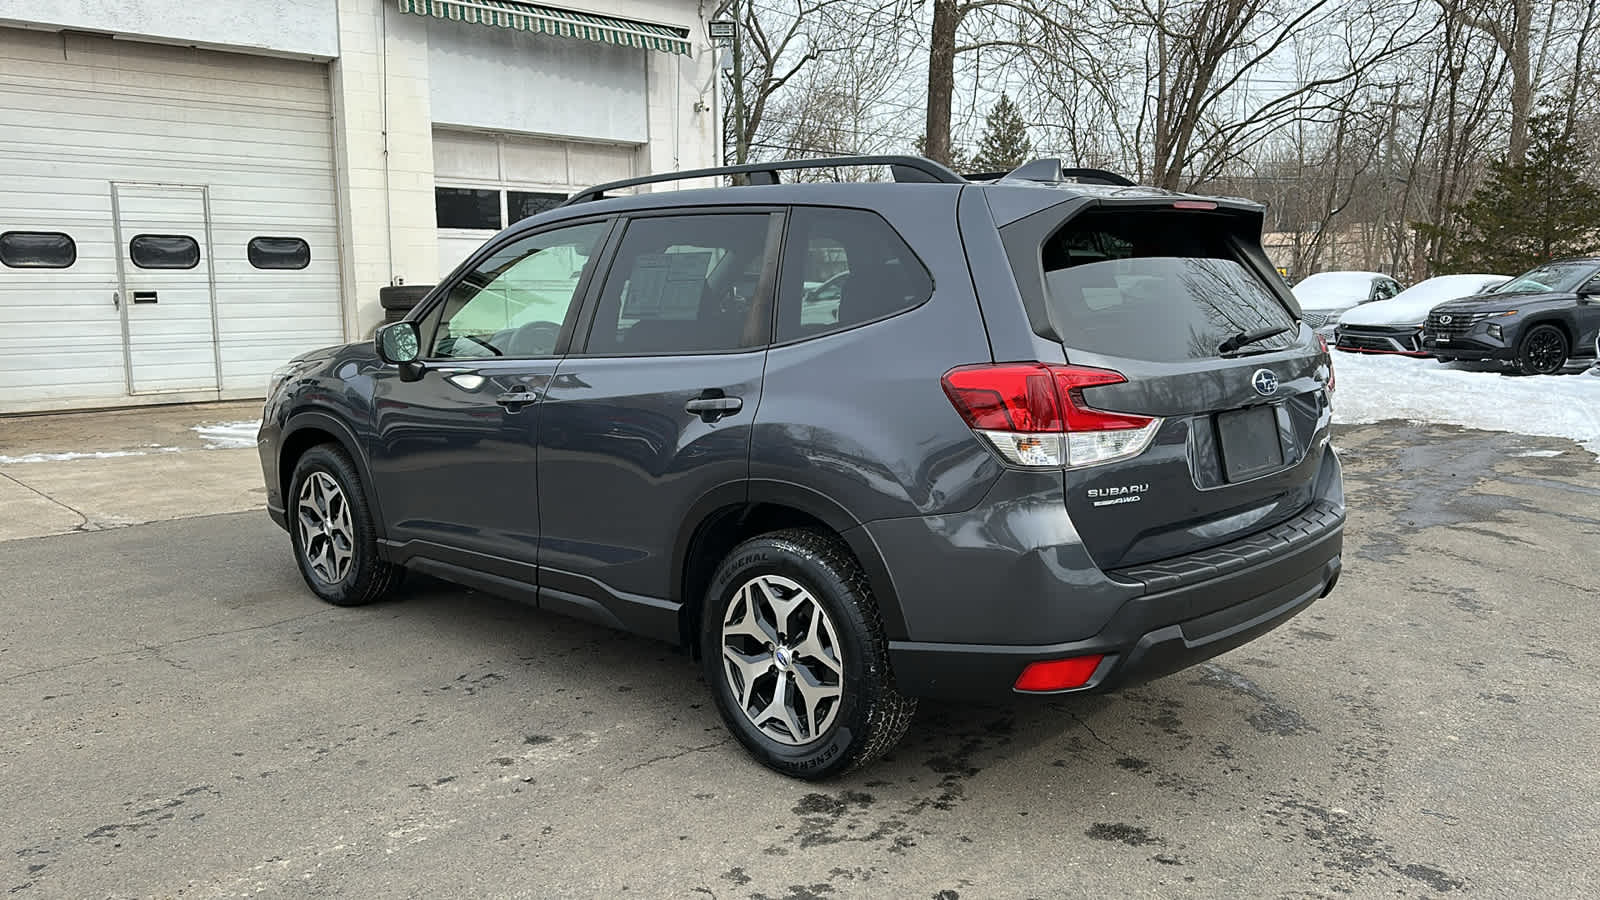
(839, 745)
(320, 459)
(1527, 340)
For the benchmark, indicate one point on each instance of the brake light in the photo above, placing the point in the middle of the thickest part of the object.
(1058, 674)
(1035, 415)
(1193, 204)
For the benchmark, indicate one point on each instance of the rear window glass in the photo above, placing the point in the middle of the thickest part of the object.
(1156, 286)
(845, 267)
(37, 250)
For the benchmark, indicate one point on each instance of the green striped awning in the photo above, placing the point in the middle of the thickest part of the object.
(553, 21)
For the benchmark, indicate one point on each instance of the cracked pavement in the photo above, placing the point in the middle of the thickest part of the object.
(185, 719)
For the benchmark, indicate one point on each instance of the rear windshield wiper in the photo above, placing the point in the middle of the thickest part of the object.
(1250, 337)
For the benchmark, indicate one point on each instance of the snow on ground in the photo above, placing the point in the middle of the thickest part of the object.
(1372, 388)
(74, 454)
(228, 435)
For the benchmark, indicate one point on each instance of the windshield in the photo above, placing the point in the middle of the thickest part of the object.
(1557, 277)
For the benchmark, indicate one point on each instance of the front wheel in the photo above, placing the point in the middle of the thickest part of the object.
(795, 654)
(1543, 351)
(331, 527)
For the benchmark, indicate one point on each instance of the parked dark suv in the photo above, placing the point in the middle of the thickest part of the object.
(1536, 322)
(851, 444)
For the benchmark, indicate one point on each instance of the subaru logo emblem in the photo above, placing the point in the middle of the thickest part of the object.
(781, 657)
(1444, 320)
(1265, 382)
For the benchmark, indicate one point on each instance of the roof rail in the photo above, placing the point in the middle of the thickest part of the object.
(906, 169)
(1054, 170)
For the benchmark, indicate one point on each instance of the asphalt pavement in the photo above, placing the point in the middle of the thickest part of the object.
(183, 718)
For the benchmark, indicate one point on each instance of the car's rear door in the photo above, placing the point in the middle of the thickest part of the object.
(1156, 293)
(649, 416)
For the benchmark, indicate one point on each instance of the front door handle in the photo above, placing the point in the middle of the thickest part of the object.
(711, 405)
(515, 401)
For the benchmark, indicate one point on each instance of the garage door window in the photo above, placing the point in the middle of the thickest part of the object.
(164, 251)
(522, 204)
(37, 250)
(279, 253)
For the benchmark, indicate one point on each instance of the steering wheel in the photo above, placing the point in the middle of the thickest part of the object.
(534, 339)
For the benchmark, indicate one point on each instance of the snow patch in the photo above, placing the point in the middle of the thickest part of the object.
(1374, 388)
(71, 455)
(228, 435)
(1539, 453)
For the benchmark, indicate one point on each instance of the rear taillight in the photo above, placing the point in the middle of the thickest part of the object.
(1324, 345)
(1035, 414)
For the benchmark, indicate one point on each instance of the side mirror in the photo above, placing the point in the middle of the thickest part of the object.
(400, 344)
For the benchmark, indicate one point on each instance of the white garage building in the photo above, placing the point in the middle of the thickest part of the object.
(191, 193)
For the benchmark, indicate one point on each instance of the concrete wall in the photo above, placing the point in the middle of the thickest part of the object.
(301, 27)
(505, 80)
(383, 137)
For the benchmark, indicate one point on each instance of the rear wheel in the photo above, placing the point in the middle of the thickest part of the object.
(1543, 351)
(796, 658)
(331, 527)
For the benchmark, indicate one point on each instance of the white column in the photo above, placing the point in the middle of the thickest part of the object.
(383, 141)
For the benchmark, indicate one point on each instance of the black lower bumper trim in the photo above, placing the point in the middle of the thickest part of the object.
(1142, 642)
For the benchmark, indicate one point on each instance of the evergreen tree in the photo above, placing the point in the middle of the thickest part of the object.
(1005, 143)
(1523, 215)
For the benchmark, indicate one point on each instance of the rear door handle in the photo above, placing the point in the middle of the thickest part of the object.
(515, 401)
(713, 406)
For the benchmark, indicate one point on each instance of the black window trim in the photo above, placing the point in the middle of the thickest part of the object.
(277, 237)
(766, 287)
(198, 256)
(71, 241)
(441, 291)
(933, 283)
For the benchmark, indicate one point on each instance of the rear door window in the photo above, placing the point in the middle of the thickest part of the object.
(1155, 285)
(685, 284)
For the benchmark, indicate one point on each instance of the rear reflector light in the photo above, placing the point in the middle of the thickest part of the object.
(1058, 674)
(1035, 414)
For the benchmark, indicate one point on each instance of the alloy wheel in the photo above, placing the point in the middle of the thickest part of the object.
(326, 536)
(1546, 351)
(782, 660)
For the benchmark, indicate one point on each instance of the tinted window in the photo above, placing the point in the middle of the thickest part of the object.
(1556, 276)
(514, 302)
(1156, 286)
(164, 251)
(845, 267)
(37, 250)
(467, 208)
(521, 204)
(684, 284)
(279, 253)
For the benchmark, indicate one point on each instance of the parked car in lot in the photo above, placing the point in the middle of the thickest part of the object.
(1325, 296)
(1395, 325)
(1536, 322)
(1053, 437)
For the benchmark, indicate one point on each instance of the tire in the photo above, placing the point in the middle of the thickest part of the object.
(863, 717)
(400, 298)
(1542, 351)
(325, 488)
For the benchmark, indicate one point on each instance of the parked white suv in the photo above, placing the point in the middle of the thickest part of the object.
(1325, 296)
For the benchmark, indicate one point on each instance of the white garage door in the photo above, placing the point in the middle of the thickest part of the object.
(485, 182)
(168, 227)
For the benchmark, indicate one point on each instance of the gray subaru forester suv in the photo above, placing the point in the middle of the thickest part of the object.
(851, 444)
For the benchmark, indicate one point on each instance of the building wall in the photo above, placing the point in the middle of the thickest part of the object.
(560, 87)
(302, 27)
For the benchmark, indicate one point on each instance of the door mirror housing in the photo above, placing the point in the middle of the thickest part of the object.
(1590, 291)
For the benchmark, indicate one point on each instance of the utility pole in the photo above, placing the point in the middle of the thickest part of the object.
(726, 32)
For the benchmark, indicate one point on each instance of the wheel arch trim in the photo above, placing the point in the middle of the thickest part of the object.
(343, 435)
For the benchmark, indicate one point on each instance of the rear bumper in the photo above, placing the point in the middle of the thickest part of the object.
(1154, 634)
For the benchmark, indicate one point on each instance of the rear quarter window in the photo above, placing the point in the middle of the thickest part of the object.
(1155, 285)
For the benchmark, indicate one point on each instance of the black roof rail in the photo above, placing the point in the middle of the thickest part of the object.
(906, 169)
(1054, 170)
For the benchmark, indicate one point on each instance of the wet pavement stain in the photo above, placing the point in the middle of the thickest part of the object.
(1272, 718)
(1132, 835)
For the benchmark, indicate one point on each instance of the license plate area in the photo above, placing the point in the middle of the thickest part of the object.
(1250, 442)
